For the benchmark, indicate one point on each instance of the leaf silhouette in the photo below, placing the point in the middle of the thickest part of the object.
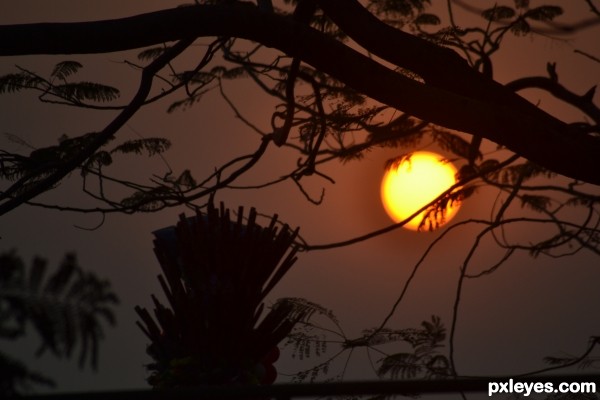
(544, 13)
(66, 309)
(64, 69)
(79, 91)
(498, 12)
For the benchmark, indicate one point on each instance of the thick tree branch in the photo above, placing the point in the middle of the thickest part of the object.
(72, 163)
(499, 115)
(583, 102)
(438, 66)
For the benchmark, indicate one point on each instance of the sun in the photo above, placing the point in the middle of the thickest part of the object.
(417, 180)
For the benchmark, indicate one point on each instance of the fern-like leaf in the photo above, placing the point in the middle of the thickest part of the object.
(97, 160)
(64, 69)
(151, 146)
(308, 309)
(520, 28)
(16, 377)
(15, 82)
(544, 13)
(66, 309)
(536, 203)
(198, 78)
(313, 373)
(400, 365)
(452, 142)
(398, 8)
(234, 73)
(150, 200)
(151, 53)
(186, 103)
(81, 91)
(498, 13)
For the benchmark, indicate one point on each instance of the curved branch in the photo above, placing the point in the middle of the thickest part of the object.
(69, 165)
(553, 28)
(496, 114)
(582, 102)
(397, 225)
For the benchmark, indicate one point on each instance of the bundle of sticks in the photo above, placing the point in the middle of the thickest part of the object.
(216, 275)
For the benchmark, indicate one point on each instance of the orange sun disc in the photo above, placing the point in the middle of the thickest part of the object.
(418, 180)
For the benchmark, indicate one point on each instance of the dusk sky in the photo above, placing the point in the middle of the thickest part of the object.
(508, 320)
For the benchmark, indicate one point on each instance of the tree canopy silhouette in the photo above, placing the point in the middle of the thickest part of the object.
(348, 76)
(428, 80)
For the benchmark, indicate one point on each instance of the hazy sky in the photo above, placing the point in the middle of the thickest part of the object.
(509, 321)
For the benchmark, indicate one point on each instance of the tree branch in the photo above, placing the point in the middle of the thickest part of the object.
(72, 163)
(498, 115)
(583, 102)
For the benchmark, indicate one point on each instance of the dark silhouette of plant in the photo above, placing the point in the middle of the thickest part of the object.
(444, 73)
(425, 360)
(66, 309)
(335, 113)
(16, 376)
(217, 272)
(419, 80)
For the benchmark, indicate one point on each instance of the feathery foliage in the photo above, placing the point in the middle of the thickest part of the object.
(72, 92)
(304, 341)
(498, 13)
(329, 120)
(81, 91)
(16, 377)
(66, 308)
(64, 69)
(425, 360)
(151, 146)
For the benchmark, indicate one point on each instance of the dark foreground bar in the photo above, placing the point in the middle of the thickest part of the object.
(289, 391)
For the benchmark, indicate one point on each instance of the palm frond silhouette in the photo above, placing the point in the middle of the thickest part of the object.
(66, 308)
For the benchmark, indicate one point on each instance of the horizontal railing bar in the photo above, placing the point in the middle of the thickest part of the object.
(293, 390)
